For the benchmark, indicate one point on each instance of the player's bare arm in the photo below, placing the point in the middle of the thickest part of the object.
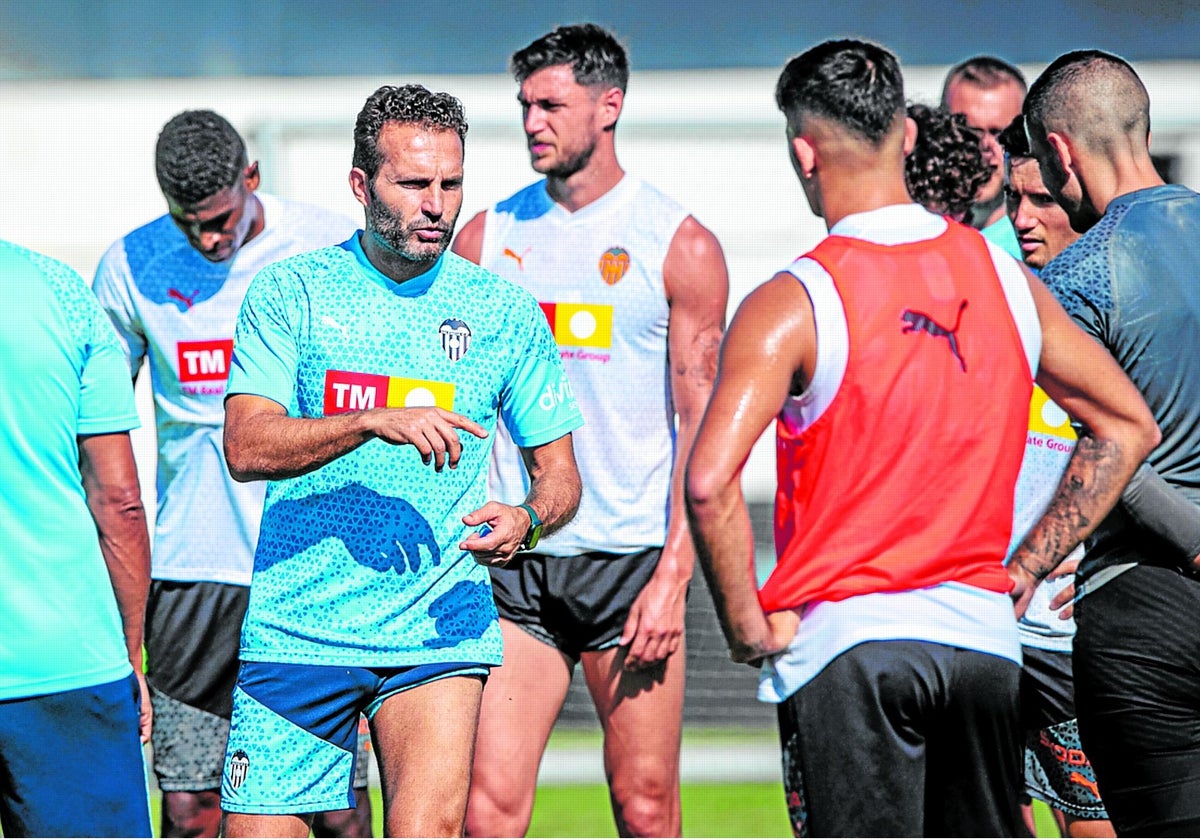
(468, 244)
(554, 491)
(263, 443)
(1119, 432)
(696, 282)
(769, 350)
(114, 498)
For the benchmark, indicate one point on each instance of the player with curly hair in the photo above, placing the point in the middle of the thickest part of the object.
(945, 169)
(367, 384)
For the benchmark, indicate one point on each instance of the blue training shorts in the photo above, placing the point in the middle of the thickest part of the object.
(294, 735)
(71, 764)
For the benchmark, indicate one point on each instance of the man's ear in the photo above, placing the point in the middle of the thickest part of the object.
(1064, 148)
(910, 135)
(610, 103)
(251, 177)
(804, 154)
(359, 186)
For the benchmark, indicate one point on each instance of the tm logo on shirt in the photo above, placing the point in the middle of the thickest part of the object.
(349, 391)
(204, 365)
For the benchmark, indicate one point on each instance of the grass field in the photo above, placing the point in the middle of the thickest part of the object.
(741, 810)
(753, 809)
(709, 810)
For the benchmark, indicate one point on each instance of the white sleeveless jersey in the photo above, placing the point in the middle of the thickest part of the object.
(176, 309)
(598, 276)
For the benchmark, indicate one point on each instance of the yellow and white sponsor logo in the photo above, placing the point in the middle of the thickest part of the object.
(419, 393)
(1046, 418)
(583, 324)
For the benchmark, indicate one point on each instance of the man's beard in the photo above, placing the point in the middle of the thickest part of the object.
(566, 168)
(389, 231)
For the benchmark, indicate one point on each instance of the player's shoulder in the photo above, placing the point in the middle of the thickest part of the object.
(1083, 265)
(466, 272)
(17, 260)
(1081, 276)
(644, 191)
(305, 226)
(311, 263)
(160, 230)
(529, 203)
(1156, 216)
(487, 286)
(147, 243)
(34, 273)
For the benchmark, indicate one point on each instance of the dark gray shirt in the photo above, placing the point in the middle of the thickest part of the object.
(1133, 283)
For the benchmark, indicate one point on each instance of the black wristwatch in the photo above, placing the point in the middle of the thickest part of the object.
(535, 529)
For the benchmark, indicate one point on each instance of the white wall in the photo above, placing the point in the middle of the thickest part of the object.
(76, 159)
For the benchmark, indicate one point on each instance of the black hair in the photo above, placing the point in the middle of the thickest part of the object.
(1014, 140)
(945, 169)
(592, 52)
(410, 104)
(198, 154)
(855, 84)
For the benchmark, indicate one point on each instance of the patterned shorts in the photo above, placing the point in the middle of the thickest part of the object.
(296, 730)
(1056, 769)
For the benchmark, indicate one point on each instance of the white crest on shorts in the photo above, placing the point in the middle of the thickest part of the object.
(456, 338)
(239, 766)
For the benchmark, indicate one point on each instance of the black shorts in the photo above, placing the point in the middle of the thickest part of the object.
(1137, 679)
(193, 630)
(575, 604)
(904, 739)
(1047, 688)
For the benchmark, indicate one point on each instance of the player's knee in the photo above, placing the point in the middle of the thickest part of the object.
(353, 822)
(191, 814)
(441, 823)
(649, 808)
(492, 816)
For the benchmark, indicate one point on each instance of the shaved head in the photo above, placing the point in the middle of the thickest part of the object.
(1088, 121)
(1093, 97)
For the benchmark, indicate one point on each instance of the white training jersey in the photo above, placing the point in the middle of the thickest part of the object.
(177, 309)
(597, 274)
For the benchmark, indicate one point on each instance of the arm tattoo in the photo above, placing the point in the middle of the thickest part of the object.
(701, 368)
(1089, 488)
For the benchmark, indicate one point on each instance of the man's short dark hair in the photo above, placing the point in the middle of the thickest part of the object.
(1014, 140)
(198, 154)
(592, 52)
(855, 84)
(945, 169)
(986, 71)
(407, 104)
(1092, 91)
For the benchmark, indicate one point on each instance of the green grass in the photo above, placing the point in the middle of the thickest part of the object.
(709, 810)
(1044, 821)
